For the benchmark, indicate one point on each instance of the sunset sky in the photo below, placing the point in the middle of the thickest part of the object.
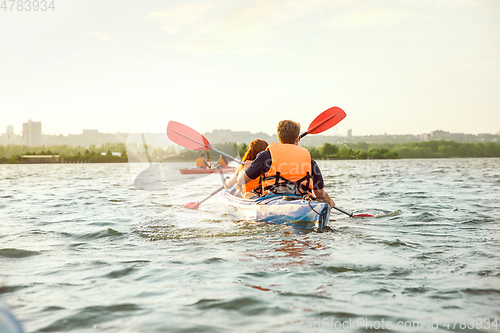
(394, 66)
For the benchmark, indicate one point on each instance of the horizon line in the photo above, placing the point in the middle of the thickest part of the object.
(220, 129)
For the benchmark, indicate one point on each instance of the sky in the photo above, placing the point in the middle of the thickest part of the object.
(394, 66)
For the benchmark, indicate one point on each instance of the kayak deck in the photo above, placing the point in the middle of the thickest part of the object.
(288, 209)
(196, 171)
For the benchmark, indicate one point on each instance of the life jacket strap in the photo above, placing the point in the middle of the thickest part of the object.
(280, 183)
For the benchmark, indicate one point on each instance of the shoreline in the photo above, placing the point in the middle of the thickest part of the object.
(323, 159)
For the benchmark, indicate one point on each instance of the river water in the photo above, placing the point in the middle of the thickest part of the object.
(83, 250)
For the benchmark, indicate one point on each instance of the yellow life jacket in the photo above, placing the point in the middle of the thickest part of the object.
(222, 163)
(200, 162)
(290, 171)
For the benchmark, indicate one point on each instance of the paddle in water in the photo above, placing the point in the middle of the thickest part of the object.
(352, 214)
(196, 205)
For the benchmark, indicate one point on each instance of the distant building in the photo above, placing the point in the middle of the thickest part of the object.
(222, 132)
(89, 131)
(439, 133)
(113, 153)
(425, 137)
(10, 130)
(30, 159)
(349, 133)
(32, 133)
(241, 133)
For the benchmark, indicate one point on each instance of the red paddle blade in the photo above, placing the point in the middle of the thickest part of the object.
(186, 136)
(326, 120)
(363, 215)
(192, 205)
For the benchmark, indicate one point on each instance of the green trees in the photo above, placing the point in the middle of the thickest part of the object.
(345, 152)
(428, 149)
(362, 150)
(329, 150)
(315, 153)
(442, 148)
(12, 154)
(242, 149)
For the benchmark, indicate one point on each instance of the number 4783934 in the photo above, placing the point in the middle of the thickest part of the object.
(27, 5)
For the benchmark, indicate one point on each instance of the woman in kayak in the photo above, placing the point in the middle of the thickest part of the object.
(201, 162)
(222, 162)
(249, 189)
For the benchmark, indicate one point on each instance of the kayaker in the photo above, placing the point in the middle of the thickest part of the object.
(202, 162)
(251, 188)
(222, 162)
(286, 168)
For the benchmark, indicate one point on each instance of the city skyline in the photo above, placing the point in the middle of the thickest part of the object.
(10, 129)
(396, 66)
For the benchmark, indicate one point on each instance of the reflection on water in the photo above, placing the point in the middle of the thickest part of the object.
(82, 249)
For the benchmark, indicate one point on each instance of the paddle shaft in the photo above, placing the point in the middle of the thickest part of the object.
(228, 156)
(305, 133)
(343, 211)
(146, 149)
(212, 194)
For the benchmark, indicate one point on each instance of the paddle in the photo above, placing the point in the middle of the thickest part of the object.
(352, 214)
(196, 205)
(326, 120)
(189, 138)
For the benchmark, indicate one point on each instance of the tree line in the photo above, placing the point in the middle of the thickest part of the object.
(424, 149)
(12, 154)
(362, 150)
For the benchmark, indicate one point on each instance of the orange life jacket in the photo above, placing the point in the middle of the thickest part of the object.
(222, 163)
(200, 162)
(291, 165)
(251, 185)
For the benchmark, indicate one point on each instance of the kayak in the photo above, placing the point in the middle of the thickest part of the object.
(197, 171)
(280, 209)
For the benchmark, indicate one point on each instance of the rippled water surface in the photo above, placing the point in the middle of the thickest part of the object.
(82, 250)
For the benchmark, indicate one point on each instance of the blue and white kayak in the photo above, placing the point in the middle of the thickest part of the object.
(289, 209)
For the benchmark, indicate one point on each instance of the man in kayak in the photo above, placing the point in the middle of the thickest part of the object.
(286, 167)
(201, 162)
